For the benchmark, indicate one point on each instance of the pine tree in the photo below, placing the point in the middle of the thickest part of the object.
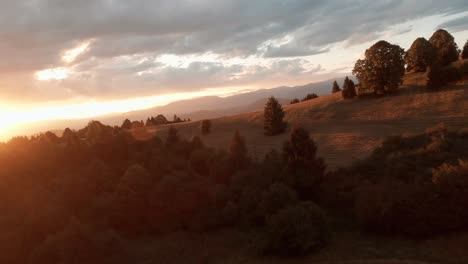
(336, 87)
(349, 89)
(273, 118)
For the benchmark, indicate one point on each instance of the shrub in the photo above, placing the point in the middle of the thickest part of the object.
(296, 230)
(294, 101)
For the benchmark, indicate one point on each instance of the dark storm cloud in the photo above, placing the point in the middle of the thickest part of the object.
(455, 25)
(35, 33)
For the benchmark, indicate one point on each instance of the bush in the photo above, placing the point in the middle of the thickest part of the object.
(296, 230)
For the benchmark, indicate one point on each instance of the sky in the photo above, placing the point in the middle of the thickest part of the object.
(65, 59)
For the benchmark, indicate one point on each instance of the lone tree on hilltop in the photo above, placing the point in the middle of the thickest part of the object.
(206, 126)
(465, 51)
(335, 87)
(382, 69)
(273, 118)
(445, 43)
(349, 89)
(421, 55)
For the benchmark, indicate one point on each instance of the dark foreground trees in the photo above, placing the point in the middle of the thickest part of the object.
(206, 127)
(273, 118)
(465, 51)
(382, 69)
(349, 89)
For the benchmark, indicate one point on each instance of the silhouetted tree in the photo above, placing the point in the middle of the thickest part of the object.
(127, 124)
(294, 101)
(445, 43)
(172, 137)
(273, 117)
(349, 89)
(382, 69)
(300, 157)
(465, 51)
(335, 87)
(421, 55)
(206, 126)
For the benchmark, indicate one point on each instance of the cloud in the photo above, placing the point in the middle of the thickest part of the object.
(456, 25)
(127, 37)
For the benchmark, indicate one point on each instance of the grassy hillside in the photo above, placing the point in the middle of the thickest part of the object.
(344, 129)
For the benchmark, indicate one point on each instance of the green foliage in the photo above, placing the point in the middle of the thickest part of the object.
(273, 118)
(421, 55)
(382, 69)
(335, 87)
(446, 45)
(296, 230)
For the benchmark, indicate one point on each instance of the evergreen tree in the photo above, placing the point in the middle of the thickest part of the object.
(336, 87)
(300, 157)
(273, 118)
(465, 51)
(349, 89)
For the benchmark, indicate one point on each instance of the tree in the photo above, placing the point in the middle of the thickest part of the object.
(172, 136)
(273, 117)
(421, 55)
(349, 89)
(237, 151)
(300, 157)
(465, 51)
(309, 97)
(434, 77)
(294, 101)
(206, 127)
(382, 69)
(445, 43)
(127, 124)
(336, 87)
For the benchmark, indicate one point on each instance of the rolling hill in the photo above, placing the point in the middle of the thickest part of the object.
(344, 130)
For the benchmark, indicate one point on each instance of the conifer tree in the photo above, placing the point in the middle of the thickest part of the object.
(336, 87)
(273, 118)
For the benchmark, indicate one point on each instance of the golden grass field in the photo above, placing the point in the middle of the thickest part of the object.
(344, 130)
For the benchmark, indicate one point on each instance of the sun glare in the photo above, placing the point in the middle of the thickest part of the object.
(52, 74)
(71, 55)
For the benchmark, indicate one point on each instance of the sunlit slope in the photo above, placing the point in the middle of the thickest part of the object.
(344, 129)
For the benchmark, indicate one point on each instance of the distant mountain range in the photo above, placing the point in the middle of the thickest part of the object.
(195, 109)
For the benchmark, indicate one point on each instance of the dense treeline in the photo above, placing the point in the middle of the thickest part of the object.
(78, 198)
(152, 121)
